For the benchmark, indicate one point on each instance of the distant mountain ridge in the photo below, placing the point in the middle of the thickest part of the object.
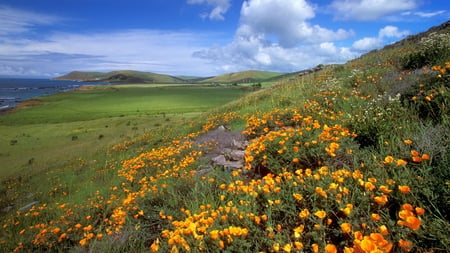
(131, 76)
(121, 76)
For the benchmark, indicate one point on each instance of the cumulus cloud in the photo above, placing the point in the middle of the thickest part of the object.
(286, 20)
(276, 35)
(220, 7)
(365, 10)
(385, 33)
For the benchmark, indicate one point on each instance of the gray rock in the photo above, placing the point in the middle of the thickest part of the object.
(219, 160)
(237, 155)
(233, 165)
(203, 171)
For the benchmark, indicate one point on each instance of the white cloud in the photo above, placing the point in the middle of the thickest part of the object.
(366, 10)
(423, 14)
(385, 33)
(275, 35)
(392, 32)
(146, 50)
(14, 21)
(287, 21)
(367, 44)
(220, 7)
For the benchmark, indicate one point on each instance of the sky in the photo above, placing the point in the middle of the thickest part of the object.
(49, 38)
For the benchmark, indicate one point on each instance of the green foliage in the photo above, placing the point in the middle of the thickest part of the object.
(432, 50)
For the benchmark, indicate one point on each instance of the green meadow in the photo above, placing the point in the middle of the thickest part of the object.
(58, 128)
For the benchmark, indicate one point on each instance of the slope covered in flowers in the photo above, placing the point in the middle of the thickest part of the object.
(353, 158)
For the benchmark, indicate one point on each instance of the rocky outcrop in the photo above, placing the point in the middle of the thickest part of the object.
(227, 149)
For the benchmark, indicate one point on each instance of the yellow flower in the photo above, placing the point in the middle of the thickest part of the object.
(389, 159)
(320, 214)
(276, 247)
(401, 162)
(346, 227)
(304, 213)
(287, 248)
(383, 230)
(297, 196)
(214, 234)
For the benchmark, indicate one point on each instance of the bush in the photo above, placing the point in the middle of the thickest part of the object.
(433, 50)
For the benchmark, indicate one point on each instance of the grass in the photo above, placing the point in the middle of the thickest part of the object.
(337, 162)
(63, 126)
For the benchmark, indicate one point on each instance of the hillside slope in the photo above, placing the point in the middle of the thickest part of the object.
(248, 76)
(352, 158)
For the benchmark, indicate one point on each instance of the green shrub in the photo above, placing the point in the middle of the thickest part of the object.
(433, 50)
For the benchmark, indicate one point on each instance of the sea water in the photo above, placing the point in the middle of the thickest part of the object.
(15, 90)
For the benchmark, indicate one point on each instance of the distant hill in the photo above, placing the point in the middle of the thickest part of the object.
(247, 76)
(121, 76)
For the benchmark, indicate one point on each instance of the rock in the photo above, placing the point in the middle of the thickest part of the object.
(219, 160)
(237, 155)
(203, 171)
(233, 165)
(239, 144)
(28, 206)
(221, 128)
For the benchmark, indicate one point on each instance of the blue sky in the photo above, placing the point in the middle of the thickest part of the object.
(47, 38)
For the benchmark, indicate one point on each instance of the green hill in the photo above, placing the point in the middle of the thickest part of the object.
(248, 76)
(122, 76)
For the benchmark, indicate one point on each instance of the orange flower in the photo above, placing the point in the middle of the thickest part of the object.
(381, 200)
(383, 230)
(425, 157)
(414, 153)
(56, 230)
(385, 189)
(375, 217)
(389, 159)
(297, 196)
(405, 245)
(155, 246)
(298, 245)
(417, 159)
(404, 189)
(346, 227)
(214, 234)
(408, 142)
(304, 213)
(315, 247)
(320, 214)
(401, 162)
(330, 248)
(420, 210)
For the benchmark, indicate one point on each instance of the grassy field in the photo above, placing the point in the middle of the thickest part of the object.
(353, 158)
(58, 128)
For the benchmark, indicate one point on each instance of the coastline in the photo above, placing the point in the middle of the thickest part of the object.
(17, 92)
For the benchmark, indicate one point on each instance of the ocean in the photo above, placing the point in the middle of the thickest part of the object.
(15, 90)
